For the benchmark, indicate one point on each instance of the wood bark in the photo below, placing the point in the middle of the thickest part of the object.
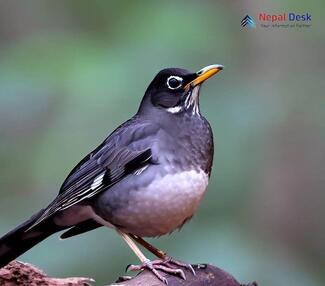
(23, 274)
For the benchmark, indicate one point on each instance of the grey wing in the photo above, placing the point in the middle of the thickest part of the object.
(98, 171)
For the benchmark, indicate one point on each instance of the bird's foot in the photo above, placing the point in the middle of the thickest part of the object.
(169, 260)
(162, 265)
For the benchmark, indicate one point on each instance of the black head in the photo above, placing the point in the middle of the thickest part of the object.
(176, 90)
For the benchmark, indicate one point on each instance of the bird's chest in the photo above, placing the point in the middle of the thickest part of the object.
(189, 146)
(164, 205)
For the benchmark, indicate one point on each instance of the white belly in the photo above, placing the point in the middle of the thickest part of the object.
(164, 205)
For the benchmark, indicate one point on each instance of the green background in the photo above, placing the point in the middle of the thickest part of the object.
(71, 71)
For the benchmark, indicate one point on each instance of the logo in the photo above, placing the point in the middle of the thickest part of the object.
(248, 21)
(285, 20)
(283, 17)
(278, 20)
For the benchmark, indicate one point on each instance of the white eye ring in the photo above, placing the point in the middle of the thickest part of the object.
(179, 79)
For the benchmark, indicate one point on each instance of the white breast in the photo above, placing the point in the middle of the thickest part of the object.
(165, 204)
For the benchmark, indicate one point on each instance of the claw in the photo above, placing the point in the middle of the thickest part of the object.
(170, 260)
(162, 265)
(132, 267)
(123, 279)
(149, 265)
(174, 271)
(127, 267)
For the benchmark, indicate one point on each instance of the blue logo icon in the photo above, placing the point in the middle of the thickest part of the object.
(248, 21)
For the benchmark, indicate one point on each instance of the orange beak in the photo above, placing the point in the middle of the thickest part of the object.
(204, 74)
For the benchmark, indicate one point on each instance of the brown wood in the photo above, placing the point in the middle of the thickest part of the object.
(23, 274)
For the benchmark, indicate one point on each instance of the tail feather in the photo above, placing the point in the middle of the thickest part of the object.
(22, 238)
(80, 228)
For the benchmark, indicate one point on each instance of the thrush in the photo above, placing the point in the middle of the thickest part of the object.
(145, 180)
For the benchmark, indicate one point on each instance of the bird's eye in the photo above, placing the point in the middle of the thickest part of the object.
(174, 82)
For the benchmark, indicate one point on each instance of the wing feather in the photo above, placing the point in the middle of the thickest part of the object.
(118, 156)
(101, 178)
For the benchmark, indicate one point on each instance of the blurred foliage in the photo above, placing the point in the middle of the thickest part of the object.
(71, 71)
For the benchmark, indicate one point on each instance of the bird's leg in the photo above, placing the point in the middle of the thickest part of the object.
(133, 246)
(145, 262)
(152, 266)
(161, 254)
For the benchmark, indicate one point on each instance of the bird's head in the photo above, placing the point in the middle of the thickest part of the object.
(176, 90)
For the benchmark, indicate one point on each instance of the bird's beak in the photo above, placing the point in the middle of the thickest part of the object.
(204, 74)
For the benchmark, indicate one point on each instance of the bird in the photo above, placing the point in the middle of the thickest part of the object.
(146, 179)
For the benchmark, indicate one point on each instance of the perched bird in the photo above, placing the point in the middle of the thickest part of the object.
(145, 180)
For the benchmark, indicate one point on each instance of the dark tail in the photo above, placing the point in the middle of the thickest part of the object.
(21, 239)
